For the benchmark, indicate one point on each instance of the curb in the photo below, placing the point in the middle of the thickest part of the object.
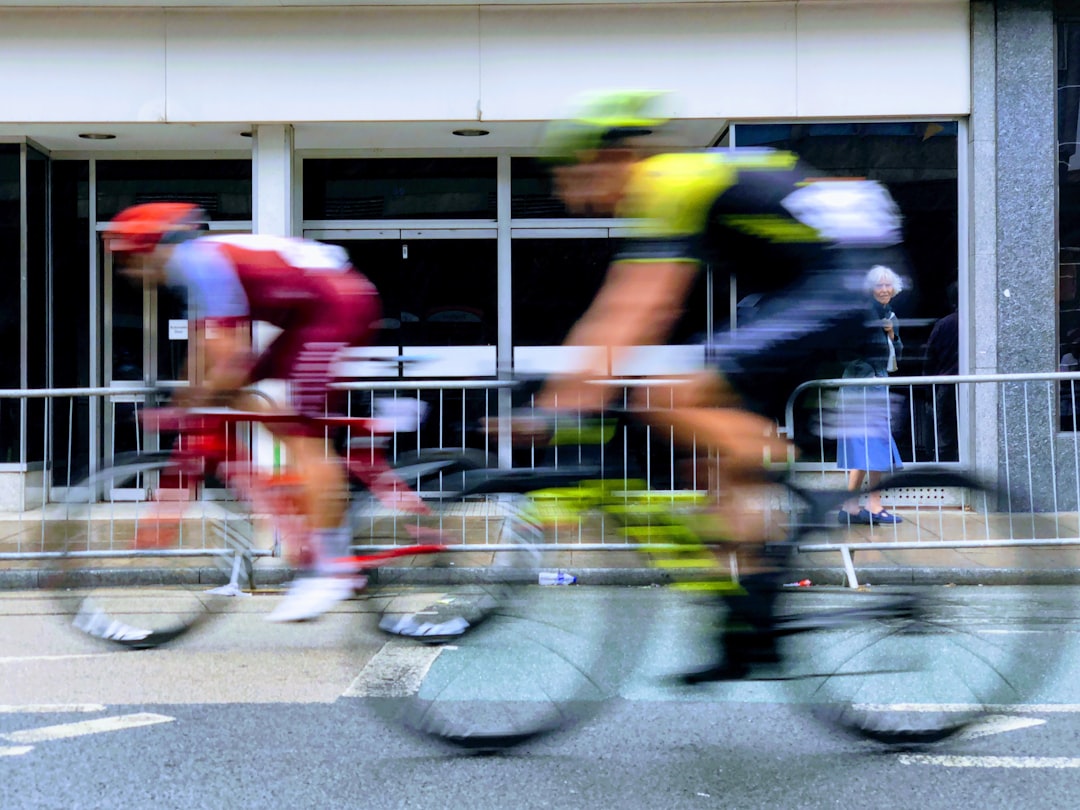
(33, 579)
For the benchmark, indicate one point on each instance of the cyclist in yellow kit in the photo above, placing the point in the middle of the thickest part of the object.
(801, 243)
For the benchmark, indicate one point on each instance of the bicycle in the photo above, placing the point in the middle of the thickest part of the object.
(153, 519)
(495, 611)
(896, 665)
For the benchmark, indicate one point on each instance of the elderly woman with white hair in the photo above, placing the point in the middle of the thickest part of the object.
(866, 446)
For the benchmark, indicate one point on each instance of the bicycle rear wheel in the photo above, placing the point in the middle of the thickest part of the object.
(919, 663)
(504, 659)
(134, 560)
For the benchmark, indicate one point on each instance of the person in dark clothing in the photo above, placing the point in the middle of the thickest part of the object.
(943, 357)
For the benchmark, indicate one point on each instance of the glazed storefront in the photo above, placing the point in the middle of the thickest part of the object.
(425, 176)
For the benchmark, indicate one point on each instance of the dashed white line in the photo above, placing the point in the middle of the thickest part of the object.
(997, 724)
(82, 728)
(944, 760)
(52, 708)
(397, 670)
(1001, 708)
(15, 750)
(19, 659)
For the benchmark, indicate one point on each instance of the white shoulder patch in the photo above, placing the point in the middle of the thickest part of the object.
(854, 213)
(303, 253)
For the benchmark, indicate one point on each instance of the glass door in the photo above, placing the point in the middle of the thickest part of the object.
(438, 289)
(145, 344)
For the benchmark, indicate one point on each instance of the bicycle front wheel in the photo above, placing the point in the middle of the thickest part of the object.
(136, 562)
(919, 662)
(505, 659)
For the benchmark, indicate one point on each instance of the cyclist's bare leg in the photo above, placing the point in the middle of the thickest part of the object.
(324, 482)
(739, 443)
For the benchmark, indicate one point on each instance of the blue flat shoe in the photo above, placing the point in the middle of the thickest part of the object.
(883, 517)
(845, 518)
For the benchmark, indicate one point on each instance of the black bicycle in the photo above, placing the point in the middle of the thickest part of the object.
(899, 664)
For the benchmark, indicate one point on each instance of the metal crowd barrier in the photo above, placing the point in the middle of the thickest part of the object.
(1019, 432)
(39, 497)
(1020, 429)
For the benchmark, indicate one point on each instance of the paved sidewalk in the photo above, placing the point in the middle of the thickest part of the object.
(32, 533)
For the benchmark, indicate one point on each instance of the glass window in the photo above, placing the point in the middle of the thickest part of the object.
(555, 280)
(916, 161)
(221, 187)
(70, 205)
(532, 194)
(399, 188)
(10, 316)
(434, 292)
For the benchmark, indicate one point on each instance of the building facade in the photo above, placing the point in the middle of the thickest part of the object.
(406, 133)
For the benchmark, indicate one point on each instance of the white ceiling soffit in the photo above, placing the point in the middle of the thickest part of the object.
(384, 136)
(376, 3)
(288, 3)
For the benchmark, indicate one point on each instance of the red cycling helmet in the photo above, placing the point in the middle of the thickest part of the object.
(140, 228)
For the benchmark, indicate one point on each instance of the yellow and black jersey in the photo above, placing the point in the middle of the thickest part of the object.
(758, 209)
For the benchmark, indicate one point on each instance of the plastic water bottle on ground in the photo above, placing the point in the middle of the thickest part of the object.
(557, 578)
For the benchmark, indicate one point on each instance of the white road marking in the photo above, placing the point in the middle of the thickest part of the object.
(397, 670)
(52, 708)
(18, 659)
(67, 730)
(997, 724)
(947, 761)
(1001, 708)
(1015, 632)
(15, 750)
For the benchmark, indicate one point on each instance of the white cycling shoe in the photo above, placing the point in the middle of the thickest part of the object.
(311, 597)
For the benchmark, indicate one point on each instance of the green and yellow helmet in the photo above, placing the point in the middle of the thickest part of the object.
(602, 119)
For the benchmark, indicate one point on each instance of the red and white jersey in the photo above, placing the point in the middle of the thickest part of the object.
(266, 278)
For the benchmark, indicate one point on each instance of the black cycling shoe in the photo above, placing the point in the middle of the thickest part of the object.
(743, 653)
(727, 671)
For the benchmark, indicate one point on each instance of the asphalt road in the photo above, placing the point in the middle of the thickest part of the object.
(247, 714)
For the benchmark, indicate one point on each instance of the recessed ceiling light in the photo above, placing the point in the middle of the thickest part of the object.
(471, 133)
(245, 134)
(97, 136)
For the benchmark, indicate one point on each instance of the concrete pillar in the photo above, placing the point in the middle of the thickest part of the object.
(1013, 283)
(979, 296)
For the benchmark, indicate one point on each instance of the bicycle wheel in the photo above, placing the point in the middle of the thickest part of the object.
(134, 559)
(920, 662)
(498, 659)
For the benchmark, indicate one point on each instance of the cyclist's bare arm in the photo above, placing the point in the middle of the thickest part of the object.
(639, 303)
(224, 351)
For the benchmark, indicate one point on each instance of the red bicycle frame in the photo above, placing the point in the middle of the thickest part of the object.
(203, 448)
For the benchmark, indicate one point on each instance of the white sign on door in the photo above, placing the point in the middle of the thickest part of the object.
(178, 329)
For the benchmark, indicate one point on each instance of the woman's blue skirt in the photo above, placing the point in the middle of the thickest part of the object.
(865, 439)
(876, 453)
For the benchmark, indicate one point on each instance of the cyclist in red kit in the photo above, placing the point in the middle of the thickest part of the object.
(320, 303)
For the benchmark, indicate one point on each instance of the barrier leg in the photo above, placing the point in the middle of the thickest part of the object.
(240, 563)
(849, 567)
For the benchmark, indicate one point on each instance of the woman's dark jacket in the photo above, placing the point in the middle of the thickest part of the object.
(874, 359)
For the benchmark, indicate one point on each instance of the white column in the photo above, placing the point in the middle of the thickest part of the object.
(272, 179)
(272, 190)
